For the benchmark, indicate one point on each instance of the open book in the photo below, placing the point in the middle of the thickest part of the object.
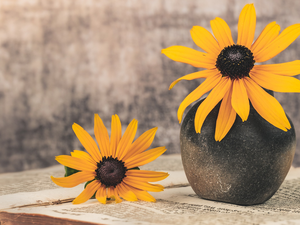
(30, 196)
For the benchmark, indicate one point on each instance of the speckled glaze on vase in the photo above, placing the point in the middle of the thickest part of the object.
(247, 167)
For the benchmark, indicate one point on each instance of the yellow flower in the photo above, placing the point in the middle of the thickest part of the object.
(231, 72)
(112, 169)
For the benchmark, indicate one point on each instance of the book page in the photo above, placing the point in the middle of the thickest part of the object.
(177, 204)
(183, 206)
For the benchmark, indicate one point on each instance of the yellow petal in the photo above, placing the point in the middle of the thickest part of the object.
(150, 176)
(87, 193)
(144, 196)
(141, 143)
(266, 105)
(206, 86)
(190, 56)
(127, 139)
(269, 33)
(83, 155)
(211, 101)
(75, 163)
(101, 135)
(126, 193)
(87, 141)
(116, 134)
(205, 40)
(110, 193)
(246, 26)
(74, 179)
(280, 43)
(101, 194)
(275, 82)
(222, 32)
(226, 117)
(239, 99)
(196, 75)
(144, 157)
(143, 185)
(286, 69)
(116, 195)
(140, 194)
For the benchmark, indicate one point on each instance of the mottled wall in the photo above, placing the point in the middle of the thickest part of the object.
(62, 61)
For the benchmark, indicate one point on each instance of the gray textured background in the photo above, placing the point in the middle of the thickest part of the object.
(62, 61)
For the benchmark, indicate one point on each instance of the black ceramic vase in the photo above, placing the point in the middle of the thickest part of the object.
(247, 167)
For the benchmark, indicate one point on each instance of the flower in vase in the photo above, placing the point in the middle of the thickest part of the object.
(113, 171)
(232, 75)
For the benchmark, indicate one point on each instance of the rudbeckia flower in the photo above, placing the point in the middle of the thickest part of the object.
(232, 75)
(113, 171)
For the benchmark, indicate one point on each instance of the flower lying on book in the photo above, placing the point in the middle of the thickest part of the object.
(113, 171)
(232, 75)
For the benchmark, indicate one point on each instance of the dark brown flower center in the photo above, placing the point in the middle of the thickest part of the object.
(111, 171)
(235, 61)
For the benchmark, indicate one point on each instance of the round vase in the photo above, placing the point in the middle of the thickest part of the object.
(246, 167)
